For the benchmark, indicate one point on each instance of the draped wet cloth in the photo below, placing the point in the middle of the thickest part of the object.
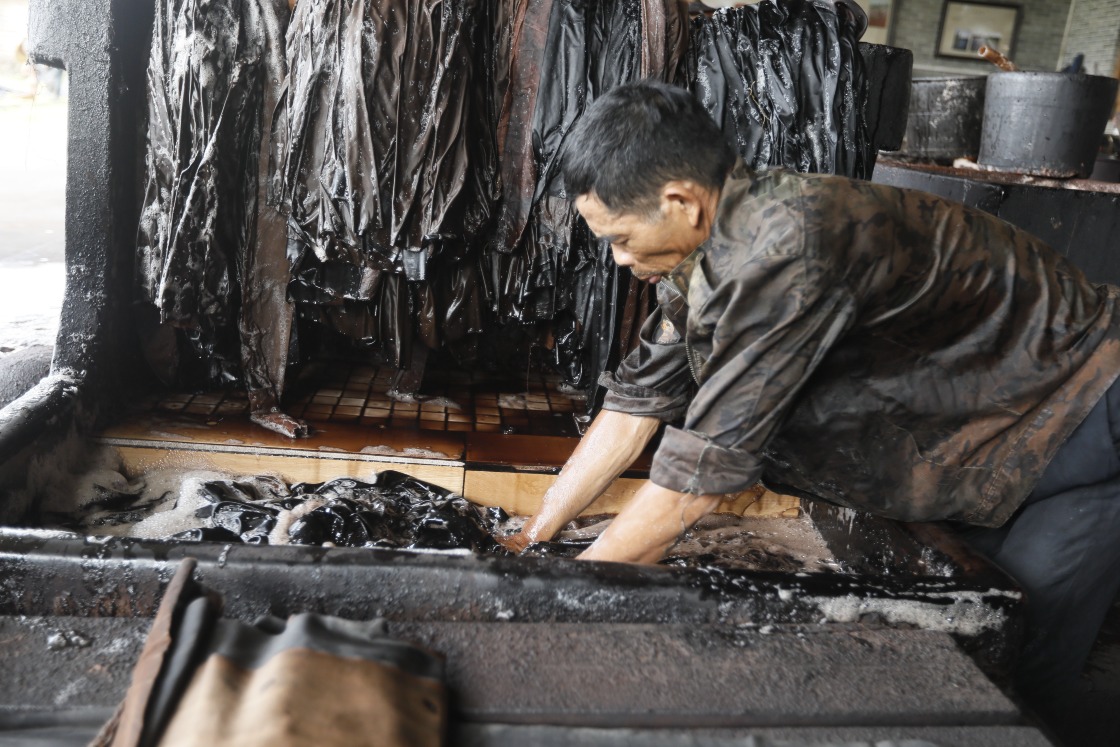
(210, 251)
(414, 150)
(308, 680)
(786, 83)
(384, 162)
(546, 266)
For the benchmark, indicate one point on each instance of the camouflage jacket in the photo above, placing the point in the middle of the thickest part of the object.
(878, 348)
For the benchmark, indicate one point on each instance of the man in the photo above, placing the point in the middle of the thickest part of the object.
(881, 349)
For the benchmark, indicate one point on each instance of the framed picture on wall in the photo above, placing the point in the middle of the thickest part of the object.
(879, 16)
(967, 26)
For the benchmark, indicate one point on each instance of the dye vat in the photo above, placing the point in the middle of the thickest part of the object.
(108, 547)
(763, 559)
(771, 587)
(392, 512)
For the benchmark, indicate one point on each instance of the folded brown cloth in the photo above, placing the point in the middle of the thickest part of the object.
(309, 680)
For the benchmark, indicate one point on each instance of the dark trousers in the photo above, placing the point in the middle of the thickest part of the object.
(1063, 547)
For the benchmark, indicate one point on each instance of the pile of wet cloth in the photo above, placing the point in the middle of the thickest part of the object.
(393, 511)
(394, 165)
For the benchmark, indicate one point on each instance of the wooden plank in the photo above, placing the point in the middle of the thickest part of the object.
(340, 450)
(538, 453)
(520, 493)
(1116, 74)
(336, 437)
(138, 460)
(762, 503)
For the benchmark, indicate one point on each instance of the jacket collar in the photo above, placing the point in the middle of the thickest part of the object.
(681, 275)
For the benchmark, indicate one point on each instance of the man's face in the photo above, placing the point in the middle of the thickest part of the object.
(650, 245)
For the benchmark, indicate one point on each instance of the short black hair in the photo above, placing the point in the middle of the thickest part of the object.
(636, 138)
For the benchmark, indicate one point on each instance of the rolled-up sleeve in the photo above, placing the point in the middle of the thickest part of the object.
(689, 462)
(654, 380)
(762, 332)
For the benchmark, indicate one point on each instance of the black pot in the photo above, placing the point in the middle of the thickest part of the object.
(1045, 124)
(945, 117)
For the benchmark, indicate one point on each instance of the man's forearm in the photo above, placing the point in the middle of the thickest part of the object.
(649, 525)
(611, 444)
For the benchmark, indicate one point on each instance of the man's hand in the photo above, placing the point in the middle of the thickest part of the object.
(650, 524)
(611, 444)
(515, 543)
(539, 528)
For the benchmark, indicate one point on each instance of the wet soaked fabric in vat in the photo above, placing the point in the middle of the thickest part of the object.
(394, 511)
(788, 545)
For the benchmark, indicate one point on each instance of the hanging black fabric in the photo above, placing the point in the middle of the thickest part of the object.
(415, 151)
(207, 248)
(548, 267)
(384, 161)
(786, 82)
(201, 99)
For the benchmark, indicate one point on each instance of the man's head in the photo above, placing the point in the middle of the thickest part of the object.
(646, 164)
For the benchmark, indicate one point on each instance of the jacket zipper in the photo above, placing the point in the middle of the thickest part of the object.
(687, 348)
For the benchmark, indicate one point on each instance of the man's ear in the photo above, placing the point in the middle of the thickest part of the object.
(684, 198)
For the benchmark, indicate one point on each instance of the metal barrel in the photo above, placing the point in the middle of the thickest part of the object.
(1045, 124)
(945, 117)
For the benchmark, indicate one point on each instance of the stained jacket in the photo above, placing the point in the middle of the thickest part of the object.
(878, 348)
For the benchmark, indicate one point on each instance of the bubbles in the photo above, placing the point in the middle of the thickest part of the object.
(64, 639)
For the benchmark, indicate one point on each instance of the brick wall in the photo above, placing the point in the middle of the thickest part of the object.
(1037, 44)
(1095, 32)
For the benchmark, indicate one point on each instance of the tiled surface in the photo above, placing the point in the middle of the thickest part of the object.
(452, 402)
(519, 436)
(499, 443)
